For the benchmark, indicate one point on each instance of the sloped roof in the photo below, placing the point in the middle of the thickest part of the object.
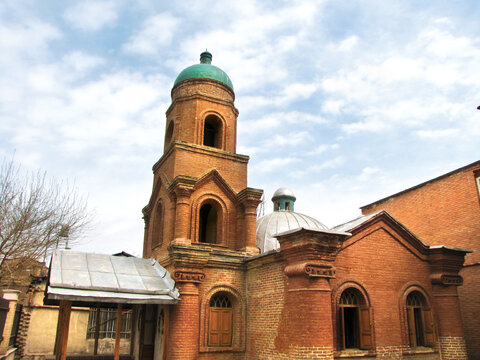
(87, 277)
(355, 223)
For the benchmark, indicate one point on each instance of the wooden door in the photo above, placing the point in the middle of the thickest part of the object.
(148, 332)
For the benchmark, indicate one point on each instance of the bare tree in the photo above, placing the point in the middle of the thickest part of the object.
(37, 215)
(261, 207)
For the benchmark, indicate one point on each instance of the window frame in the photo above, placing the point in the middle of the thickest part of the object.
(238, 339)
(419, 317)
(365, 319)
(363, 334)
(108, 324)
(220, 322)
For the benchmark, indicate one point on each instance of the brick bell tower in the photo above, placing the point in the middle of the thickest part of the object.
(200, 222)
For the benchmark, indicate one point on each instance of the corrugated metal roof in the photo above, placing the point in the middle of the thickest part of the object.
(79, 276)
(280, 221)
(352, 224)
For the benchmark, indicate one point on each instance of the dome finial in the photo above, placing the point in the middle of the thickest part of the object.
(205, 57)
(283, 199)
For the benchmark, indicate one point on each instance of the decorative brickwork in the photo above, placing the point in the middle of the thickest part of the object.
(453, 348)
(446, 210)
(22, 334)
(188, 276)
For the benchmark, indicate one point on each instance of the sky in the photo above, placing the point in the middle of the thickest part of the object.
(343, 102)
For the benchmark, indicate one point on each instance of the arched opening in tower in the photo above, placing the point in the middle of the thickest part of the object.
(208, 224)
(212, 132)
(169, 134)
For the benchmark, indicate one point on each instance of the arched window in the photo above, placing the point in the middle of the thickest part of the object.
(208, 224)
(169, 134)
(421, 329)
(212, 132)
(157, 233)
(355, 321)
(220, 320)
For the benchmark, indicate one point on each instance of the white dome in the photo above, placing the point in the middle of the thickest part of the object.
(280, 221)
(283, 192)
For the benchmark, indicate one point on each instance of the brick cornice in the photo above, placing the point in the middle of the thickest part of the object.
(446, 264)
(303, 245)
(203, 255)
(201, 97)
(182, 185)
(206, 150)
(250, 197)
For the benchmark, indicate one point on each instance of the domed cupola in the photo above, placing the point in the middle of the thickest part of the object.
(204, 70)
(283, 199)
(282, 219)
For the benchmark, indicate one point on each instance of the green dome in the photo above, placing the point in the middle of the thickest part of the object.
(204, 70)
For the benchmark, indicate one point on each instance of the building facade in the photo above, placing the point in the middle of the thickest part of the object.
(285, 286)
(446, 210)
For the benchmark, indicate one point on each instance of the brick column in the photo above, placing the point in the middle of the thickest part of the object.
(445, 266)
(250, 198)
(182, 188)
(183, 337)
(306, 328)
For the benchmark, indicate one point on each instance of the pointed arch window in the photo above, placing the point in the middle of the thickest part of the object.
(220, 320)
(421, 329)
(208, 223)
(355, 321)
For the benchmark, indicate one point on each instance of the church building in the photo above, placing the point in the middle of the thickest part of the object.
(283, 286)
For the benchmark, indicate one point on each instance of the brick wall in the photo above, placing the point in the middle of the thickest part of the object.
(470, 309)
(446, 211)
(385, 267)
(453, 348)
(265, 300)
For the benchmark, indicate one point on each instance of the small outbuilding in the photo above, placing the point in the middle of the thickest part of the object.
(107, 281)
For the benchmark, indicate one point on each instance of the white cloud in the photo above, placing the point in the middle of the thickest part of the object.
(276, 164)
(79, 61)
(348, 44)
(412, 87)
(92, 15)
(156, 31)
(329, 164)
(292, 139)
(437, 134)
(27, 40)
(368, 172)
(333, 106)
(367, 125)
(275, 120)
(320, 149)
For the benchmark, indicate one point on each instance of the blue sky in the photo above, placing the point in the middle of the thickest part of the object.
(344, 102)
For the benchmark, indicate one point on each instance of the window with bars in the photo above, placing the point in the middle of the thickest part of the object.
(108, 321)
(355, 321)
(421, 328)
(220, 320)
